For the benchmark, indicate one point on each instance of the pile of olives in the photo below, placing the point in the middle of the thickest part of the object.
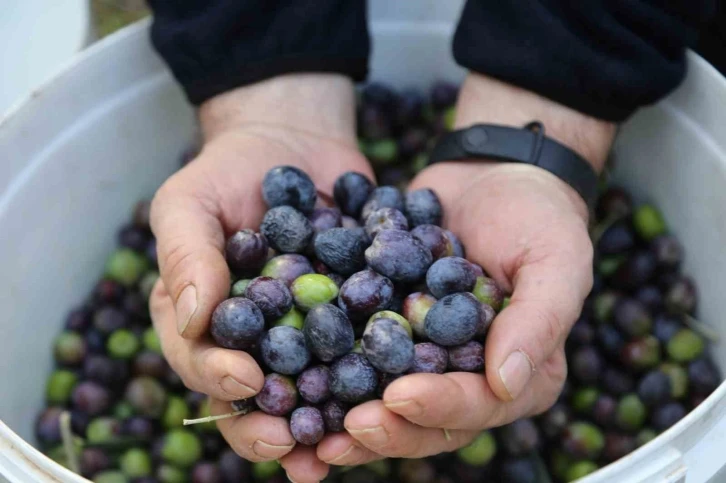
(638, 357)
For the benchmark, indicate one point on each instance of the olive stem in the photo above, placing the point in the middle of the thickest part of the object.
(701, 327)
(209, 419)
(67, 438)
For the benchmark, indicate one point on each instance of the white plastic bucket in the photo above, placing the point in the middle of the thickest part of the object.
(118, 127)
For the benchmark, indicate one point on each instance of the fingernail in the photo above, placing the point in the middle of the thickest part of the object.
(373, 436)
(405, 408)
(516, 372)
(235, 388)
(186, 305)
(270, 451)
(352, 456)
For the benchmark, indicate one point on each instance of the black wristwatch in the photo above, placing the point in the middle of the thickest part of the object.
(521, 145)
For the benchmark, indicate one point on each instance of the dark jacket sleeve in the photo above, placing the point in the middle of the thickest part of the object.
(213, 46)
(712, 42)
(602, 57)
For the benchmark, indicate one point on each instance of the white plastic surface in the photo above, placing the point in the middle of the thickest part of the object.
(119, 124)
(36, 38)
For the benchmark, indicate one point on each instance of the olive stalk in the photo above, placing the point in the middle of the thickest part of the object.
(68, 444)
(701, 328)
(208, 419)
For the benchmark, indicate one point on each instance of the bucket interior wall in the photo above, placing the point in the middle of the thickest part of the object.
(663, 157)
(69, 178)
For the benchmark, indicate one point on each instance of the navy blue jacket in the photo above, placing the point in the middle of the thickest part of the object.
(603, 57)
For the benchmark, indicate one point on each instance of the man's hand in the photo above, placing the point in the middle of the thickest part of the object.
(528, 229)
(301, 120)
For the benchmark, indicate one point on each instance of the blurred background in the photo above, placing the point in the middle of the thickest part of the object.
(111, 15)
(37, 37)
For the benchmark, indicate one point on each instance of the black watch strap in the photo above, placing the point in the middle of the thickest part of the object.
(521, 145)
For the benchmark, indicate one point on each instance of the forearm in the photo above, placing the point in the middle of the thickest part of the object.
(319, 104)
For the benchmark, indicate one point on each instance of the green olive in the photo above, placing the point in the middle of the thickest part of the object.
(648, 222)
(631, 412)
(181, 448)
(122, 344)
(60, 386)
(294, 318)
(685, 346)
(313, 289)
(135, 463)
(480, 451)
(176, 412)
(126, 267)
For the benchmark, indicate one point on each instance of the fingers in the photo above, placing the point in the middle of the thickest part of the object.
(547, 299)
(224, 374)
(470, 403)
(389, 434)
(341, 449)
(190, 243)
(303, 465)
(256, 436)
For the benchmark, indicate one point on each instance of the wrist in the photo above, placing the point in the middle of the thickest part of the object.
(318, 104)
(486, 100)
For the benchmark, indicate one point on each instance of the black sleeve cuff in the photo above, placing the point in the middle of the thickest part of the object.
(605, 59)
(213, 46)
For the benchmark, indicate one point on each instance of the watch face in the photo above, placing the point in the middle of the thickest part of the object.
(475, 138)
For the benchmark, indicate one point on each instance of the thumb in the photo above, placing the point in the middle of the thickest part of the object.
(546, 301)
(190, 246)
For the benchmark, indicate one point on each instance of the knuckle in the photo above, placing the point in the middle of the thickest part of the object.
(186, 189)
(454, 410)
(497, 415)
(175, 262)
(401, 447)
(396, 444)
(552, 327)
(160, 305)
(163, 196)
(205, 368)
(158, 294)
(415, 446)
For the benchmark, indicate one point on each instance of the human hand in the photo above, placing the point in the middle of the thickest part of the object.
(303, 120)
(529, 231)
